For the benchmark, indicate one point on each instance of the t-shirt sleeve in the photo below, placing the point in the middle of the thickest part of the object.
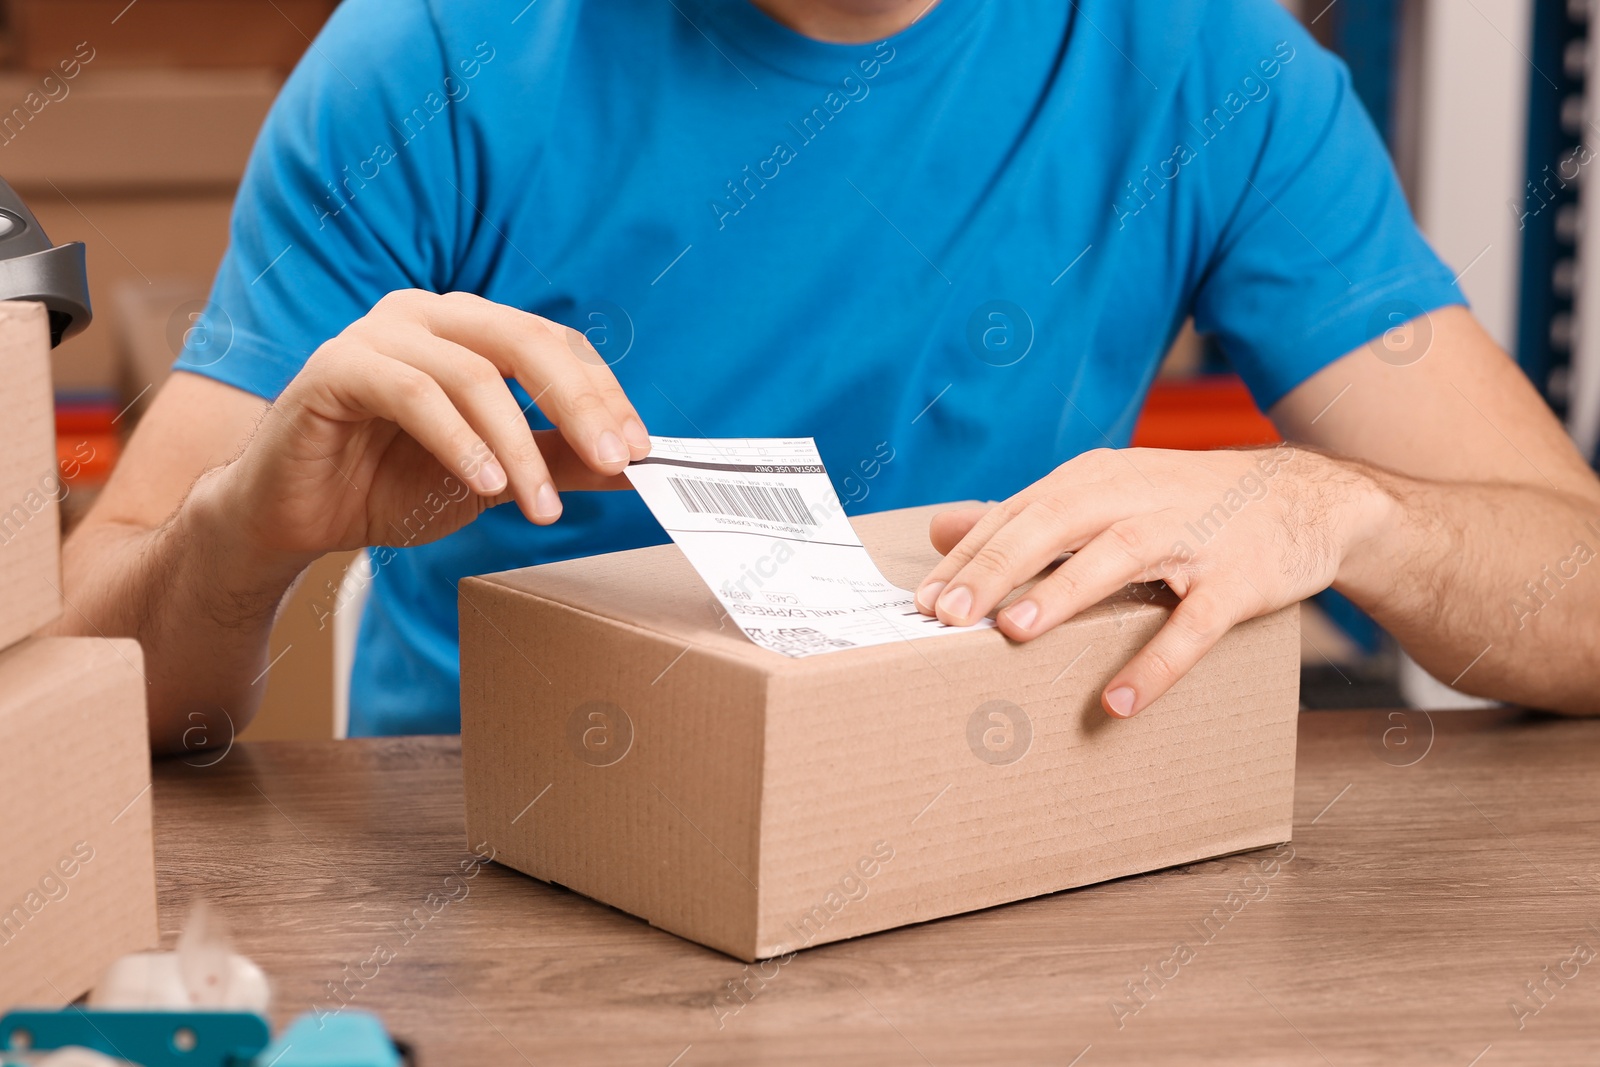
(351, 192)
(1316, 251)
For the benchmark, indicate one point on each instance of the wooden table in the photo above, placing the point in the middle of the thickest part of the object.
(1429, 881)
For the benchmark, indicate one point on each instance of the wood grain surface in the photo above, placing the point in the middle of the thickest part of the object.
(1444, 868)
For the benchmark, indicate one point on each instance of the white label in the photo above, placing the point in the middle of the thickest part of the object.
(761, 524)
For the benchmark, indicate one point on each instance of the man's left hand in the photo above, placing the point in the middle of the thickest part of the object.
(1235, 534)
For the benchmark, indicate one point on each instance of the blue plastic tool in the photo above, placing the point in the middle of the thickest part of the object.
(202, 1038)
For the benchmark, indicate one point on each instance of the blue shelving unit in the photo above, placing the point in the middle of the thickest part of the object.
(1550, 204)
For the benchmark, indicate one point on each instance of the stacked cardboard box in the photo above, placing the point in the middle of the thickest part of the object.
(113, 163)
(167, 33)
(77, 875)
(30, 483)
(127, 126)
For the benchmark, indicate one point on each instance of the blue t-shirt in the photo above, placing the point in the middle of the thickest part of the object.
(955, 257)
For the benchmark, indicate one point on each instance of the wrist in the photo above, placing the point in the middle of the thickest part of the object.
(1371, 514)
(243, 576)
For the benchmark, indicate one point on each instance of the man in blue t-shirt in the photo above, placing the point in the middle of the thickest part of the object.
(959, 233)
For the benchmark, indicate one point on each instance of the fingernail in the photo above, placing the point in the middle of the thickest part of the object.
(1022, 614)
(636, 434)
(610, 449)
(928, 595)
(957, 602)
(491, 477)
(1120, 701)
(546, 503)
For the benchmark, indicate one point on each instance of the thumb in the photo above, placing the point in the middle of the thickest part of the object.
(568, 470)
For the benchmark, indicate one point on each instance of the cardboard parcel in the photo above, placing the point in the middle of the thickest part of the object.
(31, 486)
(77, 874)
(622, 738)
(77, 871)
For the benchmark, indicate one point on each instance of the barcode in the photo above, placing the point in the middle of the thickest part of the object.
(796, 641)
(773, 503)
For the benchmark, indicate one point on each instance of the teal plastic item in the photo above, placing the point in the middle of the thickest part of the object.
(148, 1038)
(202, 1038)
(348, 1039)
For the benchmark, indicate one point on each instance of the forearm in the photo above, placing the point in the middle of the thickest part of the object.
(1489, 587)
(199, 601)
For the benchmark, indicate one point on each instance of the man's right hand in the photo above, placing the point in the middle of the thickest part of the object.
(409, 408)
(398, 431)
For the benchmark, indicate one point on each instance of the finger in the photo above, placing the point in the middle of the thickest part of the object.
(1001, 553)
(568, 469)
(582, 405)
(478, 391)
(977, 535)
(1108, 562)
(1079, 474)
(578, 398)
(633, 431)
(1012, 554)
(949, 527)
(1082, 477)
(1195, 626)
(370, 385)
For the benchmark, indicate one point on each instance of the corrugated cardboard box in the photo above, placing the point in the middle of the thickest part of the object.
(298, 703)
(163, 237)
(77, 875)
(110, 159)
(31, 487)
(620, 739)
(123, 131)
(161, 33)
(151, 323)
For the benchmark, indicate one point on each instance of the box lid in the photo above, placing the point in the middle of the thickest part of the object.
(655, 589)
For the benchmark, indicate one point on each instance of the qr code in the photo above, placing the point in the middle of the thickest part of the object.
(796, 640)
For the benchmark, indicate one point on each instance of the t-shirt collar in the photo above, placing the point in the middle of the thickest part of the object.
(754, 32)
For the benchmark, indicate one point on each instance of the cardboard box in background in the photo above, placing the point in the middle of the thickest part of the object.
(143, 240)
(137, 240)
(149, 323)
(620, 740)
(141, 165)
(155, 132)
(30, 483)
(167, 33)
(298, 704)
(142, 168)
(77, 873)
